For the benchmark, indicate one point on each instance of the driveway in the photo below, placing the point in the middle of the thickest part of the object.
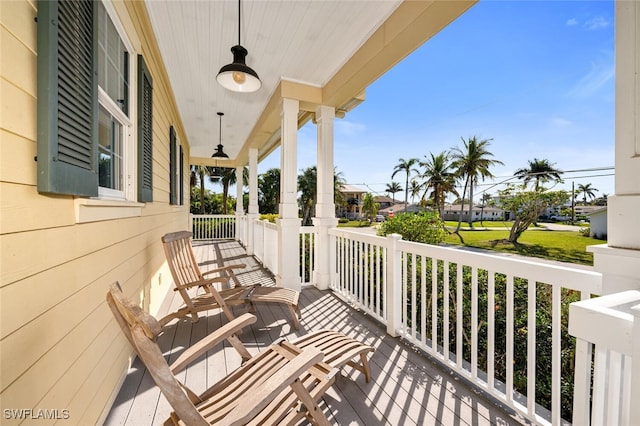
(558, 227)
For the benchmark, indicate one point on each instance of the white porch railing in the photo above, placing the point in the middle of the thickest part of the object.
(265, 244)
(307, 253)
(265, 248)
(498, 321)
(607, 329)
(471, 311)
(242, 229)
(264, 238)
(213, 227)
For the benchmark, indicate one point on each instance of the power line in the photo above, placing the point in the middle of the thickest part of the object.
(512, 177)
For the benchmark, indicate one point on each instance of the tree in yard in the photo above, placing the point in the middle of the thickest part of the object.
(438, 177)
(423, 227)
(540, 171)
(526, 206)
(601, 201)
(587, 191)
(227, 176)
(211, 203)
(471, 163)
(308, 188)
(269, 191)
(197, 174)
(392, 188)
(369, 206)
(414, 189)
(486, 198)
(405, 166)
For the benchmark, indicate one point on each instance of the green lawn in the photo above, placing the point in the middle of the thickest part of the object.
(564, 246)
(485, 224)
(354, 224)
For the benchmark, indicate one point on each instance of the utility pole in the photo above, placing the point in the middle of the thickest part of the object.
(573, 202)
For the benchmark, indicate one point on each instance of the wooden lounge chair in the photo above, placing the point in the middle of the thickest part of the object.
(188, 276)
(281, 385)
(339, 349)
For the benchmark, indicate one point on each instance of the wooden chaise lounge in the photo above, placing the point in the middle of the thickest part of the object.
(188, 276)
(281, 385)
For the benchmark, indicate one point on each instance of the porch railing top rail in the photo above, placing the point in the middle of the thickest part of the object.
(455, 303)
(540, 270)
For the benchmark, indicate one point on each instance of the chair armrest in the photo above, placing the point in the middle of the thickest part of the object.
(226, 268)
(227, 271)
(255, 401)
(208, 281)
(227, 331)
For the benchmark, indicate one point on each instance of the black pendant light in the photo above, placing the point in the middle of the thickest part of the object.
(219, 152)
(237, 76)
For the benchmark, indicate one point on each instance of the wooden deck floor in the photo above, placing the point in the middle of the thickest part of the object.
(407, 388)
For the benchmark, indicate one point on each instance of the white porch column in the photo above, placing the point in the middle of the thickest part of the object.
(619, 261)
(239, 204)
(325, 207)
(252, 214)
(289, 224)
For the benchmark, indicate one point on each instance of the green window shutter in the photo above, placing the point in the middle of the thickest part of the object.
(173, 193)
(145, 132)
(67, 98)
(181, 176)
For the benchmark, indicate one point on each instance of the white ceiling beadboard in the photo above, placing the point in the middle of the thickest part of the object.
(300, 40)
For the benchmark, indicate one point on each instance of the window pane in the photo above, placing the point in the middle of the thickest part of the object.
(113, 61)
(110, 151)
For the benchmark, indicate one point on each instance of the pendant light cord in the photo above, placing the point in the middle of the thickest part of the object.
(239, 23)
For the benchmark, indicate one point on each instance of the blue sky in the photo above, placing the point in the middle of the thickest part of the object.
(537, 77)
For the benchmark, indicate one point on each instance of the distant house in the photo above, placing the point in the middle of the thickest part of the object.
(452, 212)
(353, 202)
(598, 219)
(586, 210)
(384, 202)
(399, 208)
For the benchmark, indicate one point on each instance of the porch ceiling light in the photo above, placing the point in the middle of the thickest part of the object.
(219, 152)
(237, 76)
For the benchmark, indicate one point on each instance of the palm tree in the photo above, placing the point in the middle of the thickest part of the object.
(227, 176)
(539, 170)
(472, 163)
(392, 188)
(269, 191)
(414, 189)
(486, 197)
(369, 206)
(405, 166)
(307, 185)
(200, 172)
(587, 191)
(439, 178)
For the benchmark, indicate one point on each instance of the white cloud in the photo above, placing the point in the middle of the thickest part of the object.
(349, 128)
(593, 81)
(572, 22)
(596, 23)
(560, 122)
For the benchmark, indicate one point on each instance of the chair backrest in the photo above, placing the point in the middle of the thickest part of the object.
(182, 262)
(141, 329)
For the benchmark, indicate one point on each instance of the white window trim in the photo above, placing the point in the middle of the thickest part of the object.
(128, 192)
(128, 151)
(177, 183)
(96, 210)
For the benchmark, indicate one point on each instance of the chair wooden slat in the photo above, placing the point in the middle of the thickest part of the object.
(188, 278)
(270, 388)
